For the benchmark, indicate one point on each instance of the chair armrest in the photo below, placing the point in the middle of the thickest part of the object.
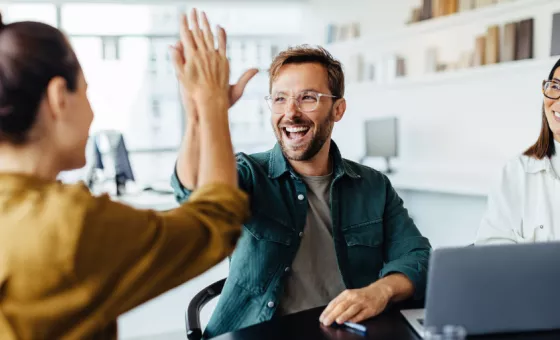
(192, 315)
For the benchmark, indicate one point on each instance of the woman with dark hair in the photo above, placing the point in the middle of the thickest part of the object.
(525, 206)
(71, 263)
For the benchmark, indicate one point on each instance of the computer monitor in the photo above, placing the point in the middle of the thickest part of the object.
(111, 155)
(381, 136)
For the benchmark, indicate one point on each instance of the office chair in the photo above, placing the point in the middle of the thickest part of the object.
(192, 315)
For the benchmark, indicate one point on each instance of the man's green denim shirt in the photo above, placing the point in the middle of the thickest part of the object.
(373, 235)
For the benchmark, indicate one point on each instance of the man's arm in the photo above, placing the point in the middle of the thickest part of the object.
(406, 256)
(185, 178)
(406, 251)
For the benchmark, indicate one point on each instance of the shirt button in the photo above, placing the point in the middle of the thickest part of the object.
(270, 304)
(287, 269)
(542, 226)
(301, 234)
(300, 197)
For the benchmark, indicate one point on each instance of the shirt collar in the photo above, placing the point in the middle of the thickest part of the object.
(278, 164)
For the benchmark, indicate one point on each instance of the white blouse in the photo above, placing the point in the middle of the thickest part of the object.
(526, 205)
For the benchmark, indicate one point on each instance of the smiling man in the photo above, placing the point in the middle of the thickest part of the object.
(324, 230)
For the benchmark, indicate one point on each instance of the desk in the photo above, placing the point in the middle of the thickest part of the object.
(389, 325)
(149, 200)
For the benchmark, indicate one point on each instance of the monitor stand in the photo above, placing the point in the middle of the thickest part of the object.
(389, 169)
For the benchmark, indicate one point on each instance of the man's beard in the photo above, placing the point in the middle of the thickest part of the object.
(318, 139)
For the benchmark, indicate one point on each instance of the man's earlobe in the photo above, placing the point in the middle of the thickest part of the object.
(340, 109)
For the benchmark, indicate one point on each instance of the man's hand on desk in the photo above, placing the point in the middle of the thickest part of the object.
(356, 305)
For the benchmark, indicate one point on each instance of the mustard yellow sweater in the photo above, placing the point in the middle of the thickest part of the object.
(71, 263)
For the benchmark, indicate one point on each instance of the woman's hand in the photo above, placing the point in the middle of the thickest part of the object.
(204, 75)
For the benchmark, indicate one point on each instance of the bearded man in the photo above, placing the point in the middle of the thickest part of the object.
(325, 231)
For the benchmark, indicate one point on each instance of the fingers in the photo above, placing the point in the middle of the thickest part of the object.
(178, 60)
(208, 35)
(327, 311)
(246, 76)
(336, 311)
(363, 315)
(222, 41)
(196, 31)
(187, 40)
(349, 313)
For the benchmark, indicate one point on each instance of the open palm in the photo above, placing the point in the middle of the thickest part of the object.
(235, 90)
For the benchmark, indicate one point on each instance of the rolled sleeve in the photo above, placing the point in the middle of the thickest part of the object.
(181, 193)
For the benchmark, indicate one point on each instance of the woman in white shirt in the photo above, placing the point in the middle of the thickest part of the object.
(526, 205)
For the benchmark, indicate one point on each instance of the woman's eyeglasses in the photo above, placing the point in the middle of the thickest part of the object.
(551, 89)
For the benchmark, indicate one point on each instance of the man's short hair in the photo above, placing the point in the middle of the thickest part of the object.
(308, 54)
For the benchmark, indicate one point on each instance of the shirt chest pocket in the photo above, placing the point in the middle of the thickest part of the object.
(364, 244)
(261, 252)
(534, 231)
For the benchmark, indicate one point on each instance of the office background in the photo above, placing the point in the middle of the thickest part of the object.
(464, 105)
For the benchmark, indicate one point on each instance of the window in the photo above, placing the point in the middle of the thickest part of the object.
(45, 13)
(118, 19)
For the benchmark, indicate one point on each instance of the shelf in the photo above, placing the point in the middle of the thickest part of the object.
(539, 65)
(483, 15)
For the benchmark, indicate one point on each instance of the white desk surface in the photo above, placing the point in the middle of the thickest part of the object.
(465, 184)
(149, 200)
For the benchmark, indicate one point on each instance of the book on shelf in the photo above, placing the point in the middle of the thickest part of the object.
(356, 68)
(426, 12)
(355, 30)
(438, 8)
(370, 75)
(466, 5)
(396, 67)
(451, 6)
(509, 43)
(555, 43)
(492, 49)
(401, 67)
(331, 33)
(483, 3)
(479, 51)
(524, 40)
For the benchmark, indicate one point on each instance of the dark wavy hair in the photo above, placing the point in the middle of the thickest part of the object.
(31, 54)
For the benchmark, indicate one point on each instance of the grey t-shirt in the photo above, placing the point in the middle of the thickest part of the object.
(314, 279)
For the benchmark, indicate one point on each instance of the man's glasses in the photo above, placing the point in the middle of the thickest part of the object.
(551, 89)
(306, 101)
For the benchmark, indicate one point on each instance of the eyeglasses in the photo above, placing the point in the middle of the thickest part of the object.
(306, 101)
(551, 89)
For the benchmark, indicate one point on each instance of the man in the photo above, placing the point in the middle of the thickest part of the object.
(324, 230)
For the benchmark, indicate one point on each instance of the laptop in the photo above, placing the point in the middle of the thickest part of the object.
(492, 289)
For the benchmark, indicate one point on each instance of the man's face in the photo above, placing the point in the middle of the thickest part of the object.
(302, 121)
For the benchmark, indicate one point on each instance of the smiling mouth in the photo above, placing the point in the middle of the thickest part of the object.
(556, 114)
(295, 133)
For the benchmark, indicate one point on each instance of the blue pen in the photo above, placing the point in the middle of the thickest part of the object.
(356, 326)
